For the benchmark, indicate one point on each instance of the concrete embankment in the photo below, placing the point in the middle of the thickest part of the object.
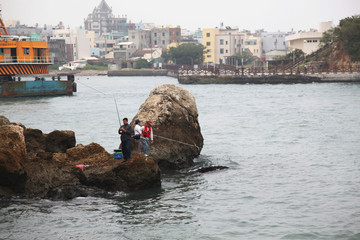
(134, 73)
(270, 79)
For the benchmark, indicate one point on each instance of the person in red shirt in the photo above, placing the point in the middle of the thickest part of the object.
(147, 136)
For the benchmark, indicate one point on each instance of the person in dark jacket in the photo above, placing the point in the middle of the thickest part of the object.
(126, 131)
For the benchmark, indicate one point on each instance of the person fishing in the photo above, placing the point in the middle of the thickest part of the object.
(126, 131)
(146, 136)
(137, 135)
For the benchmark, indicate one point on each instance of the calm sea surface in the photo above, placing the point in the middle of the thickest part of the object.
(293, 153)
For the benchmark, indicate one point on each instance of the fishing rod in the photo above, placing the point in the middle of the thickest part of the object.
(117, 110)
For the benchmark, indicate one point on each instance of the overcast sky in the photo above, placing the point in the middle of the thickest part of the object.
(271, 15)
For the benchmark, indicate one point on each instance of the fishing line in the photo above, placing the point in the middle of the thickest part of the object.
(192, 145)
(117, 110)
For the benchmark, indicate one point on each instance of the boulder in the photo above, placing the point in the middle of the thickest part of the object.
(4, 121)
(177, 136)
(59, 141)
(12, 154)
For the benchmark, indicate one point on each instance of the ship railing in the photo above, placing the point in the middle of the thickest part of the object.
(36, 60)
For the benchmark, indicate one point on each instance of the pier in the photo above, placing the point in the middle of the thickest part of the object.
(274, 75)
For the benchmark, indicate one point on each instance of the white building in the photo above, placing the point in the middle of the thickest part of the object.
(77, 43)
(309, 41)
(227, 44)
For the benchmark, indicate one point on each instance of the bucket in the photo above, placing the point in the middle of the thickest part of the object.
(117, 154)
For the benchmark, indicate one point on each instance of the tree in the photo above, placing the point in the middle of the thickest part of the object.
(245, 57)
(142, 63)
(186, 54)
(349, 35)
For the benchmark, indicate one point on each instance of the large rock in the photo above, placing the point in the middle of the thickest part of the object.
(177, 135)
(12, 154)
(34, 164)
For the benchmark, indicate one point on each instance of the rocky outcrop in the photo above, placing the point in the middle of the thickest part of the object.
(12, 154)
(33, 164)
(177, 135)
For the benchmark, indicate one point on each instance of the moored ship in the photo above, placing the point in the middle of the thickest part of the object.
(24, 56)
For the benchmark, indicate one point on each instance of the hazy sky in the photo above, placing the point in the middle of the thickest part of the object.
(271, 15)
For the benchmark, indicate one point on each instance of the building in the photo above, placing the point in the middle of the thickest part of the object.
(102, 21)
(220, 44)
(156, 37)
(252, 44)
(124, 50)
(174, 35)
(227, 44)
(273, 41)
(209, 38)
(57, 50)
(309, 41)
(77, 45)
(141, 38)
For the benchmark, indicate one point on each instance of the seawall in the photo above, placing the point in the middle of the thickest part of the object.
(133, 73)
(269, 79)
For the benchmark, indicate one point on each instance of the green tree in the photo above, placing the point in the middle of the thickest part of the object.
(187, 54)
(245, 57)
(142, 63)
(349, 35)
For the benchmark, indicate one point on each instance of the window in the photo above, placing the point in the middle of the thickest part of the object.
(221, 51)
(155, 42)
(207, 34)
(1, 51)
(170, 33)
(207, 43)
(221, 41)
(155, 34)
(163, 42)
(226, 42)
(208, 50)
(177, 33)
(163, 34)
(26, 51)
(315, 40)
(208, 56)
(226, 51)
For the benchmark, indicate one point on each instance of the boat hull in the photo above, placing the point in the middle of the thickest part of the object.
(36, 88)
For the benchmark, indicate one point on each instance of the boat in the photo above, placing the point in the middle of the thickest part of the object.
(21, 57)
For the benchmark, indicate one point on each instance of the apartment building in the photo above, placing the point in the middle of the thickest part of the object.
(309, 41)
(227, 44)
(209, 41)
(221, 43)
(77, 45)
(253, 44)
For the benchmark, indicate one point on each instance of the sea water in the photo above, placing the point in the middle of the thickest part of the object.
(293, 153)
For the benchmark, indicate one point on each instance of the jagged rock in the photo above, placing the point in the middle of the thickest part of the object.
(60, 141)
(137, 173)
(178, 139)
(88, 153)
(12, 153)
(54, 142)
(4, 121)
(33, 164)
(35, 140)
